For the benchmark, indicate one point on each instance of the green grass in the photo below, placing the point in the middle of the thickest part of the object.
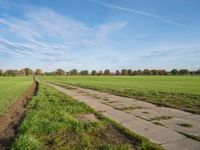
(181, 92)
(51, 123)
(11, 88)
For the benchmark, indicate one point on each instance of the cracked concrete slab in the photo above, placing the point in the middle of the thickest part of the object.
(183, 144)
(184, 126)
(157, 134)
(171, 112)
(146, 114)
(192, 117)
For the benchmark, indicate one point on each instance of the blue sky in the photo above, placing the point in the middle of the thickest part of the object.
(100, 34)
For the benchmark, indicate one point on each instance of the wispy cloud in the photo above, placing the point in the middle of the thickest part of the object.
(135, 11)
(189, 51)
(44, 34)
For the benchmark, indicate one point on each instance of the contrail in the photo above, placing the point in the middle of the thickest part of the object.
(162, 19)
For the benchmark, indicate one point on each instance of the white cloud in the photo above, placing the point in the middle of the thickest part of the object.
(42, 33)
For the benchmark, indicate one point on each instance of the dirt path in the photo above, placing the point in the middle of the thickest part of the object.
(165, 126)
(12, 118)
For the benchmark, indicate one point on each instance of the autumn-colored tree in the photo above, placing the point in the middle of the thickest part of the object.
(38, 72)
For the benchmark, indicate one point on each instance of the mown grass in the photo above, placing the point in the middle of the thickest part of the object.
(11, 88)
(181, 92)
(51, 123)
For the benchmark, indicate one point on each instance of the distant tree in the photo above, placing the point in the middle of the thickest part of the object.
(22, 72)
(60, 72)
(38, 72)
(28, 71)
(198, 72)
(139, 72)
(117, 72)
(94, 72)
(84, 72)
(174, 72)
(11, 72)
(15, 72)
(67, 73)
(184, 72)
(134, 73)
(162, 72)
(146, 72)
(53, 73)
(193, 72)
(1, 72)
(130, 72)
(154, 72)
(124, 72)
(7, 72)
(107, 72)
(73, 72)
(100, 73)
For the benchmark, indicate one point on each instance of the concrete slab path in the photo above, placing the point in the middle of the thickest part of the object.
(165, 126)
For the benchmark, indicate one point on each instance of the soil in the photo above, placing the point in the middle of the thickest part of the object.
(9, 122)
(112, 135)
(109, 135)
(86, 117)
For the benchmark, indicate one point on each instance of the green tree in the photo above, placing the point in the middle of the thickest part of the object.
(139, 72)
(117, 72)
(184, 72)
(107, 72)
(146, 72)
(174, 72)
(154, 72)
(100, 73)
(28, 71)
(130, 72)
(198, 72)
(84, 72)
(60, 72)
(124, 72)
(94, 72)
(73, 72)
(135, 73)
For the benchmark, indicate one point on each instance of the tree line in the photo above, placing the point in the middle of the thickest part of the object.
(21, 72)
(107, 72)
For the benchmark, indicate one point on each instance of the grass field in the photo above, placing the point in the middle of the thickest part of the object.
(53, 122)
(181, 92)
(11, 88)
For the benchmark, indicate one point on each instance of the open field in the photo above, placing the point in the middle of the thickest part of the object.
(181, 92)
(56, 121)
(11, 88)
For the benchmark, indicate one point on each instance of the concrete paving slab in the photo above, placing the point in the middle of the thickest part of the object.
(145, 105)
(194, 118)
(183, 144)
(184, 126)
(119, 116)
(147, 114)
(171, 112)
(157, 134)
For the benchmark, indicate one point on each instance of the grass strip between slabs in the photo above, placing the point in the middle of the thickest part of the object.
(51, 123)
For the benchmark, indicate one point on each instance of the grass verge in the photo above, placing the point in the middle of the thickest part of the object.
(181, 101)
(180, 92)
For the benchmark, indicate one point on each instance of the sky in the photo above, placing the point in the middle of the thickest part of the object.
(100, 34)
